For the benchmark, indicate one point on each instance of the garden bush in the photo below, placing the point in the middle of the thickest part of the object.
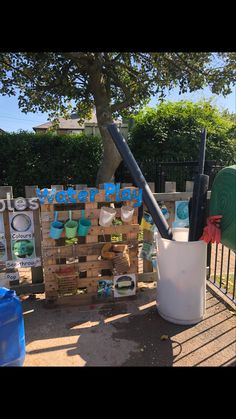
(172, 132)
(45, 159)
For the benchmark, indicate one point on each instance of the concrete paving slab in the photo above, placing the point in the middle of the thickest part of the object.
(126, 334)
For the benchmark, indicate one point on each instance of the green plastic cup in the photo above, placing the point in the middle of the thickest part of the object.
(71, 227)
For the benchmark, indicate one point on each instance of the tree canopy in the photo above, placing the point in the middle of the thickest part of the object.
(115, 83)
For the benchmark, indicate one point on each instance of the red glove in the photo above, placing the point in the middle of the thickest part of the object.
(211, 232)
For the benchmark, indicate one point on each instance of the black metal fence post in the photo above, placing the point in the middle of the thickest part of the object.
(208, 260)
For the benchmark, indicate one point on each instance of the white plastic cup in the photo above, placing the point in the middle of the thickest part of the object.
(181, 286)
(107, 215)
(127, 213)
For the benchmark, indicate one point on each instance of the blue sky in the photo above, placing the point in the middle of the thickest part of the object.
(12, 119)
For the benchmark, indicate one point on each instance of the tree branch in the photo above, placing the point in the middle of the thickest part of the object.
(110, 64)
(121, 105)
(80, 58)
(35, 82)
(15, 69)
(190, 67)
(129, 97)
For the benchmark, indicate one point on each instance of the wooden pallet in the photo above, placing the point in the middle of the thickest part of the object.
(67, 283)
(82, 275)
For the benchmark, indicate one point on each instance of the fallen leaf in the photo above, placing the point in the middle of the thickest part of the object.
(233, 312)
(164, 337)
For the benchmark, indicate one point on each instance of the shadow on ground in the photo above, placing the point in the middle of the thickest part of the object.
(126, 334)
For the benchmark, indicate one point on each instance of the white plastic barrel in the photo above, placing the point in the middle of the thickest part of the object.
(180, 234)
(181, 287)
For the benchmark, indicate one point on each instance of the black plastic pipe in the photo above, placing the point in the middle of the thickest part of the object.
(198, 204)
(202, 152)
(198, 207)
(140, 181)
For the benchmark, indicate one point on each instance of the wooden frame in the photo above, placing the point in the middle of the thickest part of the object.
(87, 268)
(89, 248)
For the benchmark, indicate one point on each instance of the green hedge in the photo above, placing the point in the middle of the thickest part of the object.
(171, 132)
(46, 159)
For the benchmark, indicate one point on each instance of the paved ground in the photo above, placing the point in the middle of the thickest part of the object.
(126, 334)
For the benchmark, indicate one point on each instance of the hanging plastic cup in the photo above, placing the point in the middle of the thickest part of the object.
(127, 213)
(71, 227)
(107, 215)
(56, 228)
(84, 225)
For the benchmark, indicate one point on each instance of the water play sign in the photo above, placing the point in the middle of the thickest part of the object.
(112, 190)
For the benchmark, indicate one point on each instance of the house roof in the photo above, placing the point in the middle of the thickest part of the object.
(72, 123)
(2, 131)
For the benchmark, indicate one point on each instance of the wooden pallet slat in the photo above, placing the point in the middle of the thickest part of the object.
(91, 213)
(100, 230)
(86, 249)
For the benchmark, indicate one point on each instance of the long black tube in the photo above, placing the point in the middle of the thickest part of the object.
(199, 199)
(199, 206)
(202, 152)
(139, 179)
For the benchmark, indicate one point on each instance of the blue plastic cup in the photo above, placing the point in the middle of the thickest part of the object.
(56, 228)
(84, 225)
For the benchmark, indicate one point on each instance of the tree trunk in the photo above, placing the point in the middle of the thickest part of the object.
(111, 157)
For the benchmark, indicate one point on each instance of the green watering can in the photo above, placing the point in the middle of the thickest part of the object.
(84, 225)
(71, 227)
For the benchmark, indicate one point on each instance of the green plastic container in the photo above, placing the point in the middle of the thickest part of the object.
(71, 227)
(84, 225)
(223, 202)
